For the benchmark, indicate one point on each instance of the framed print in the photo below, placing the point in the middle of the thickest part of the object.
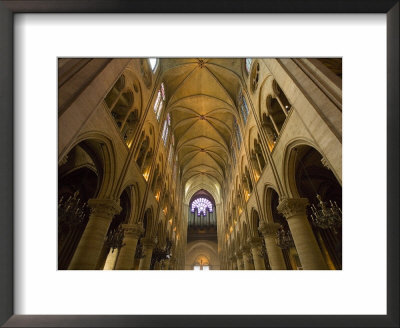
(198, 176)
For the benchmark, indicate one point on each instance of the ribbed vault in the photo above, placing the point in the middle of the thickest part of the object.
(202, 104)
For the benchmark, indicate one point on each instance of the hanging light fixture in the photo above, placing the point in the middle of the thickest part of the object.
(71, 212)
(284, 239)
(114, 239)
(326, 215)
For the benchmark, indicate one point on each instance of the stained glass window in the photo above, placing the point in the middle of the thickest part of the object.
(158, 105)
(166, 126)
(171, 150)
(162, 88)
(175, 167)
(248, 64)
(202, 204)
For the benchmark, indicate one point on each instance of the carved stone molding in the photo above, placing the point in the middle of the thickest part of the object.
(104, 208)
(290, 207)
(246, 250)
(255, 242)
(268, 229)
(325, 163)
(64, 161)
(148, 242)
(134, 230)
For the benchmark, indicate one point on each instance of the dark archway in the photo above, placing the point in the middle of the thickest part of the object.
(74, 190)
(314, 178)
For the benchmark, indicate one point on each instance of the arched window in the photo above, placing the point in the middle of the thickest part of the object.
(175, 168)
(124, 103)
(171, 150)
(159, 103)
(233, 154)
(167, 124)
(244, 110)
(237, 133)
(248, 65)
(202, 205)
(153, 63)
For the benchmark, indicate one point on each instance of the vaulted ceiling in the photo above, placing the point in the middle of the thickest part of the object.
(202, 103)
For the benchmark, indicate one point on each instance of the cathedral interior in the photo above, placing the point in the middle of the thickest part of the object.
(199, 164)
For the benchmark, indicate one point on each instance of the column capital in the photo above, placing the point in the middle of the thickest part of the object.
(255, 242)
(245, 250)
(148, 242)
(105, 208)
(268, 229)
(292, 207)
(134, 230)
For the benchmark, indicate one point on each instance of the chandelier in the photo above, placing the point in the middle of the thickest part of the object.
(160, 254)
(326, 215)
(72, 212)
(115, 238)
(284, 239)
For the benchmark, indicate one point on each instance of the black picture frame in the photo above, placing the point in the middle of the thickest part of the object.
(7, 11)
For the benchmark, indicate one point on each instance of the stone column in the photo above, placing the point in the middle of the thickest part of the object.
(92, 240)
(126, 256)
(172, 263)
(234, 263)
(275, 255)
(294, 210)
(165, 265)
(256, 248)
(148, 245)
(110, 260)
(247, 260)
(239, 259)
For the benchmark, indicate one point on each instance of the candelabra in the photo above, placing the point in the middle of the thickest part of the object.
(162, 253)
(115, 238)
(326, 215)
(284, 238)
(72, 212)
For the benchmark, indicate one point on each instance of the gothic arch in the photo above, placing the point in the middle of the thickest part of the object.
(254, 223)
(268, 195)
(289, 165)
(134, 195)
(101, 149)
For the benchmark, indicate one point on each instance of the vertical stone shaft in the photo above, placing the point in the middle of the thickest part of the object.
(310, 255)
(247, 260)
(92, 240)
(275, 255)
(126, 256)
(148, 245)
(239, 258)
(256, 247)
